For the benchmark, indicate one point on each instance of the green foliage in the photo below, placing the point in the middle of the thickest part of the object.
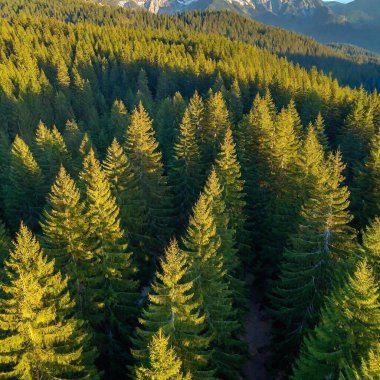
(125, 188)
(317, 251)
(108, 297)
(51, 151)
(163, 362)
(187, 167)
(118, 121)
(41, 337)
(216, 123)
(211, 288)
(143, 152)
(64, 225)
(229, 172)
(371, 244)
(173, 308)
(24, 190)
(347, 332)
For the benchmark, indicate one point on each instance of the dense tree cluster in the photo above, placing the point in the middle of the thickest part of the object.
(147, 173)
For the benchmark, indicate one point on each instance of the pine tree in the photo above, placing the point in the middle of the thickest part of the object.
(357, 132)
(173, 309)
(347, 332)
(320, 246)
(143, 94)
(371, 244)
(235, 103)
(255, 138)
(284, 179)
(196, 110)
(168, 118)
(228, 247)
(163, 362)
(229, 172)
(143, 152)
(65, 228)
(216, 123)
(211, 288)
(297, 124)
(187, 168)
(124, 187)
(51, 151)
(319, 126)
(365, 186)
(118, 121)
(24, 190)
(40, 337)
(85, 146)
(73, 136)
(110, 296)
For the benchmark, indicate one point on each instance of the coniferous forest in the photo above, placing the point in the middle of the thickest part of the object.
(155, 180)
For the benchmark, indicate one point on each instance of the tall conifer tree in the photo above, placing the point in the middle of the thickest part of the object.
(110, 290)
(316, 251)
(145, 156)
(173, 309)
(186, 168)
(24, 190)
(211, 288)
(349, 329)
(40, 337)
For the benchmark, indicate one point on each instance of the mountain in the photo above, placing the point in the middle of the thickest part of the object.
(359, 11)
(254, 8)
(356, 23)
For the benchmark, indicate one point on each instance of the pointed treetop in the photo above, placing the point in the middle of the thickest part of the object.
(163, 362)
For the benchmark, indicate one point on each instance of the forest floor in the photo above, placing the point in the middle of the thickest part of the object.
(258, 328)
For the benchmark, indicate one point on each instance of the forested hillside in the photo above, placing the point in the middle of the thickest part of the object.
(149, 174)
(349, 67)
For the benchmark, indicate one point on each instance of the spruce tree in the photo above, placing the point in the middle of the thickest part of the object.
(365, 185)
(196, 110)
(24, 191)
(229, 172)
(125, 188)
(65, 227)
(163, 362)
(297, 124)
(216, 123)
(51, 151)
(358, 129)
(320, 246)
(110, 296)
(348, 330)
(41, 338)
(211, 288)
(235, 103)
(228, 246)
(144, 154)
(167, 119)
(72, 136)
(186, 173)
(173, 309)
(143, 94)
(284, 179)
(118, 121)
(371, 244)
(319, 126)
